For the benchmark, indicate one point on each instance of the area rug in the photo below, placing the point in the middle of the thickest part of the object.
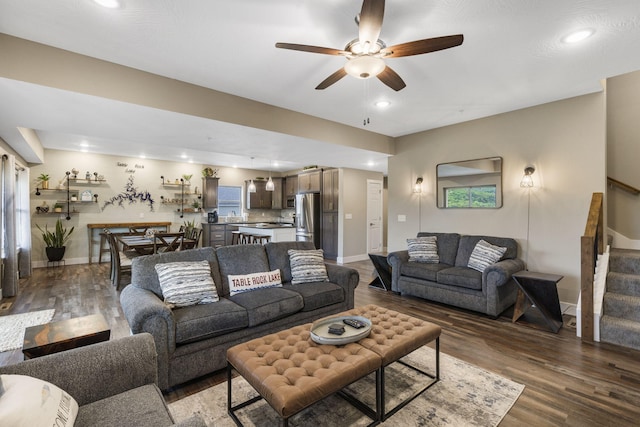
(12, 327)
(465, 396)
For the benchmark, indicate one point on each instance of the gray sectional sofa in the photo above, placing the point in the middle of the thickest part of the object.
(192, 341)
(452, 282)
(114, 383)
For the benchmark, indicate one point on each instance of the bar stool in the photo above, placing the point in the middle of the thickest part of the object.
(235, 237)
(261, 239)
(246, 238)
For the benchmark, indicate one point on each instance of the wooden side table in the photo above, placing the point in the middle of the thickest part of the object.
(54, 337)
(383, 271)
(539, 290)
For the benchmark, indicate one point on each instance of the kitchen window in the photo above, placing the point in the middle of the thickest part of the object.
(229, 200)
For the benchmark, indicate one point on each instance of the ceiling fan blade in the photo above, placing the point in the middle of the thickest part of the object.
(419, 47)
(313, 49)
(332, 79)
(370, 24)
(391, 79)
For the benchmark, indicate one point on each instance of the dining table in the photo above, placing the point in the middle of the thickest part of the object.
(147, 244)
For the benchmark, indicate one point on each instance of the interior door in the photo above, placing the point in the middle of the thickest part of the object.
(374, 216)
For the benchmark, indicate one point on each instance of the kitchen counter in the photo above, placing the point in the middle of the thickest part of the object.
(276, 232)
(264, 225)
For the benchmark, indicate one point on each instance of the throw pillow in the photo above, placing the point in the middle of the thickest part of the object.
(307, 266)
(250, 282)
(423, 249)
(186, 283)
(27, 401)
(485, 254)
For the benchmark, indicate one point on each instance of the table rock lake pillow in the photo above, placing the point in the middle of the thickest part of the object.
(423, 249)
(239, 283)
(484, 254)
(307, 266)
(27, 401)
(186, 283)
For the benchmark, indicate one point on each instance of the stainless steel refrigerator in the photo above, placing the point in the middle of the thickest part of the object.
(308, 218)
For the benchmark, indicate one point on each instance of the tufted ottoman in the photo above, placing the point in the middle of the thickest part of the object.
(291, 372)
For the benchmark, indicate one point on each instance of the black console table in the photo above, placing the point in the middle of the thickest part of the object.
(539, 290)
(383, 271)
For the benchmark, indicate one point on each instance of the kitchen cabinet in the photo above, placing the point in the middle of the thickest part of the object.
(210, 192)
(330, 235)
(330, 190)
(291, 186)
(261, 198)
(309, 182)
(277, 199)
(214, 235)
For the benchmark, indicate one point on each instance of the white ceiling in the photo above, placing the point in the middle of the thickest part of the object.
(512, 57)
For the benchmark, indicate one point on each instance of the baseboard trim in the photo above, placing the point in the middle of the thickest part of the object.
(354, 258)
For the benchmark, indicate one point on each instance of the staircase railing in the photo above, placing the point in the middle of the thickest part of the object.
(591, 245)
(626, 187)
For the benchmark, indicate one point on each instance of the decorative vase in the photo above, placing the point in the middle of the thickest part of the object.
(45, 185)
(57, 210)
(55, 254)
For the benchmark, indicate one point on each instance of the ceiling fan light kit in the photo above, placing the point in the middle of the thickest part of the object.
(364, 67)
(366, 54)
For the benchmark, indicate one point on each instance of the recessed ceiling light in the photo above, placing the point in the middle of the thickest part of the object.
(382, 104)
(578, 36)
(142, 156)
(111, 4)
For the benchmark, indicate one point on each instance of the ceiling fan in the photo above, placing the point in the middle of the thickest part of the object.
(366, 54)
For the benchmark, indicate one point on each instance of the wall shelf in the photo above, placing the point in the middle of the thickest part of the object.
(77, 193)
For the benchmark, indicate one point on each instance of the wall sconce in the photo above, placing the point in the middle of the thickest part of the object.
(417, 187)
(527, 179)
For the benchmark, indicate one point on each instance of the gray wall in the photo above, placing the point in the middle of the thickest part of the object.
(623, 153)
(564, 140)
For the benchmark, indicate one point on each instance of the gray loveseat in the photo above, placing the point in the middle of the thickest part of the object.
(193, 341)
(114, 382)
(451, 282)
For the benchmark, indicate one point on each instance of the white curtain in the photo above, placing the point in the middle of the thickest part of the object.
(23, 221)
(8, 240)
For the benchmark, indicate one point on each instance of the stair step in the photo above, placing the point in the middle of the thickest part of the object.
(623, 283)
(621, 332)
(624, 261)
(622, 306)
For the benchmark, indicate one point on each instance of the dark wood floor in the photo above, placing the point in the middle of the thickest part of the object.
(567, 383)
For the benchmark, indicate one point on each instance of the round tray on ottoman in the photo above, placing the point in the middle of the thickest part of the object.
(320, 330)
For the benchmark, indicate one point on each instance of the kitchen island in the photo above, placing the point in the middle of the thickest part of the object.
(276, 232)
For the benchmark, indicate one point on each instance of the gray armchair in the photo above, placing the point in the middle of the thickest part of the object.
(114, 382)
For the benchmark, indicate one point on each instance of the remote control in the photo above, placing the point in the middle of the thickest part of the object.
(354, 323)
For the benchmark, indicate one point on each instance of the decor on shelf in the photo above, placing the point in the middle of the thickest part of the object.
(196, 206)
(43, 179)
(57, 208)
(55, 240)
(187, 178)
(75, 173)
(131, 195)
(209, 172)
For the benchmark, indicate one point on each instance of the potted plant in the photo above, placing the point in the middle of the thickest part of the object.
(57, 208)
(187, 178)
(196, 206)
(55, 240)
(44, 180)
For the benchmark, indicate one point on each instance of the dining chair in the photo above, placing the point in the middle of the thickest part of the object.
(141, 229)
(120, 260)
(194, 238)
(167, 242)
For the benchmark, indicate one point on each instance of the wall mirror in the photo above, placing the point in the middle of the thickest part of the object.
(470, 184)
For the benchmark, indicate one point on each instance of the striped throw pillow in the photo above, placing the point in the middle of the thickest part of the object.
(186, 283)
(423, 249)
(485, 254)
(307, 266)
